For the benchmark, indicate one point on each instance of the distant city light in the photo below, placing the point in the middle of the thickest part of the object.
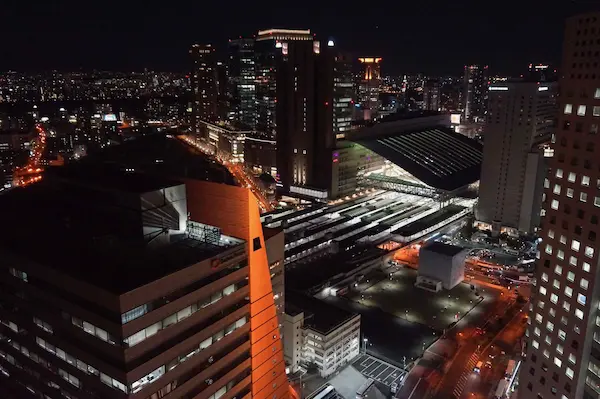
(330, 43)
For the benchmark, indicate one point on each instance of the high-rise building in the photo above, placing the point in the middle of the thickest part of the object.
(204, 85)
(305, 138)
(369, 85)
(344, 94)
(268, 45)
(222, 79)
(145, 289)
(563, 355)
(541, 73)
(431, 95)
(475, 85)
(242, 83)
(521, 117)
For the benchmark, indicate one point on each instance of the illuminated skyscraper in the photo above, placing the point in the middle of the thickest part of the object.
(267, 47)
(563, 351)
(369, 85)
(475, 84)
(431, 95)
(242, 82)
(204, 85)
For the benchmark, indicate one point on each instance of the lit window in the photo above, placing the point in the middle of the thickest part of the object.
(585, 181)
(597, 93)
(536, 331)
(562, 335)
(556, 283)
(558, 270)
(548, 340)
(581, 299)
(586, 267)
(575, 245)
(538, 318)
(536, 344)
(583, 197)
(549, 326)
(596, 111)
(556, 189)
(554, 204)
(568, 109)
(552, 312)
(571, 276)
(572, 177)
(581, 110)
(569, 372)
(579, 314)
(554, 298)
(572, 358)
(560, 254)
(589, 252)
(547, 353)
(544, 277)
(563, 239)
(597, 201)
(572, 261)
(583, 283)
(570, 192)
(549, 249)
(569, 291)
(559, 173)
(560, 349)
(543, 290)
(557, 361)
(566, 306)
(551, 233)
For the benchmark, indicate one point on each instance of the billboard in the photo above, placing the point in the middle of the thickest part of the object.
(455, 119)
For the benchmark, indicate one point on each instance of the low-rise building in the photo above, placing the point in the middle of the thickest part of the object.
(441, 266)
(320, 333)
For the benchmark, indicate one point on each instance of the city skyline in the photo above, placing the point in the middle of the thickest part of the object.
(132, 37)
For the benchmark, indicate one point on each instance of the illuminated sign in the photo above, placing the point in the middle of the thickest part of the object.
(109, 118)
(543, 88)
(498, 88)
(370, 60)
(330, 43)
(455, 119)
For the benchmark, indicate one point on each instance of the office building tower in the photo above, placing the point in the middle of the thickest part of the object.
(242, 83)
(369, 85)
(475, 85)
(203, 84)
(431, 95)
(268, 46)
(521, 118)
(145, 289)
(541, 73)
(563, 354)
(222, 80)
(305, 138)
(344, 94)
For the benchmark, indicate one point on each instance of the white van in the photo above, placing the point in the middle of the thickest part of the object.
(477, 368)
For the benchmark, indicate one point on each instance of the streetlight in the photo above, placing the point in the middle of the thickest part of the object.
(365, 340)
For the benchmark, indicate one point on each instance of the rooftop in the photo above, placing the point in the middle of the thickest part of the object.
(443, 249)
(95, 235)
(320, 316)
(435, 155)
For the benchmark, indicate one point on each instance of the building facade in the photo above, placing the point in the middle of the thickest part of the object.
(369, 85)
(203, 82)
(431, 95)
(520, 120)
(474, 96)
(174, 300)
(242, 83)
(563, 346)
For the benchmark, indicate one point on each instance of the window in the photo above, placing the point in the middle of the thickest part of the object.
(597, 93)
(596, 111)
(575, 245)
(551, 233)
(556, 284)
(549, 249)
(570, 192)
(557, 362)
(586, 267)
(597, 201)
(559, 173)
(545, 277)
(560, 254)
(585, 181)
(566, 306)
(554, 298)
(543, 290)
(583, 197)
(572, 261)
(558, 270)
(563, 239)
(570, 372)
(589, 252)
(536, 344)
(572, 177)
(593, 128)
(569, 291)
(556, 189)
(554, 204)
(569, 109)
(581, 110)
(581, 299)
(583, 283)
(562, 335)
(571, 276)
(18, 274)
(550, 326)
(256, 244)
(572, 358)
(548, 340)
(538, 318)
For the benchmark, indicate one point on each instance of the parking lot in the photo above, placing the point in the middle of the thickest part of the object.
(378, 370)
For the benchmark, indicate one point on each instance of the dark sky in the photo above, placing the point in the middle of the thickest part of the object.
(431, 36)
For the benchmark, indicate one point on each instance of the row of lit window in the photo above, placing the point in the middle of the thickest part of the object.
(179, 316)
(582, 109)
(575, 246)
(91, 329)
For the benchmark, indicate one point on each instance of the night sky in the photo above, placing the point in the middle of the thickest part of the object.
(436, 37)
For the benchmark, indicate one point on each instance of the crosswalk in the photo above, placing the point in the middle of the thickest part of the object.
(462, 381)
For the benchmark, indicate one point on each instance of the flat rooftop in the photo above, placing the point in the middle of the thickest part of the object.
(90, 237)
(320, 316)
(443, 249)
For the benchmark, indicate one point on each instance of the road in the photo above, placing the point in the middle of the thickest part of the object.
(32, 172)
(236, 169)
